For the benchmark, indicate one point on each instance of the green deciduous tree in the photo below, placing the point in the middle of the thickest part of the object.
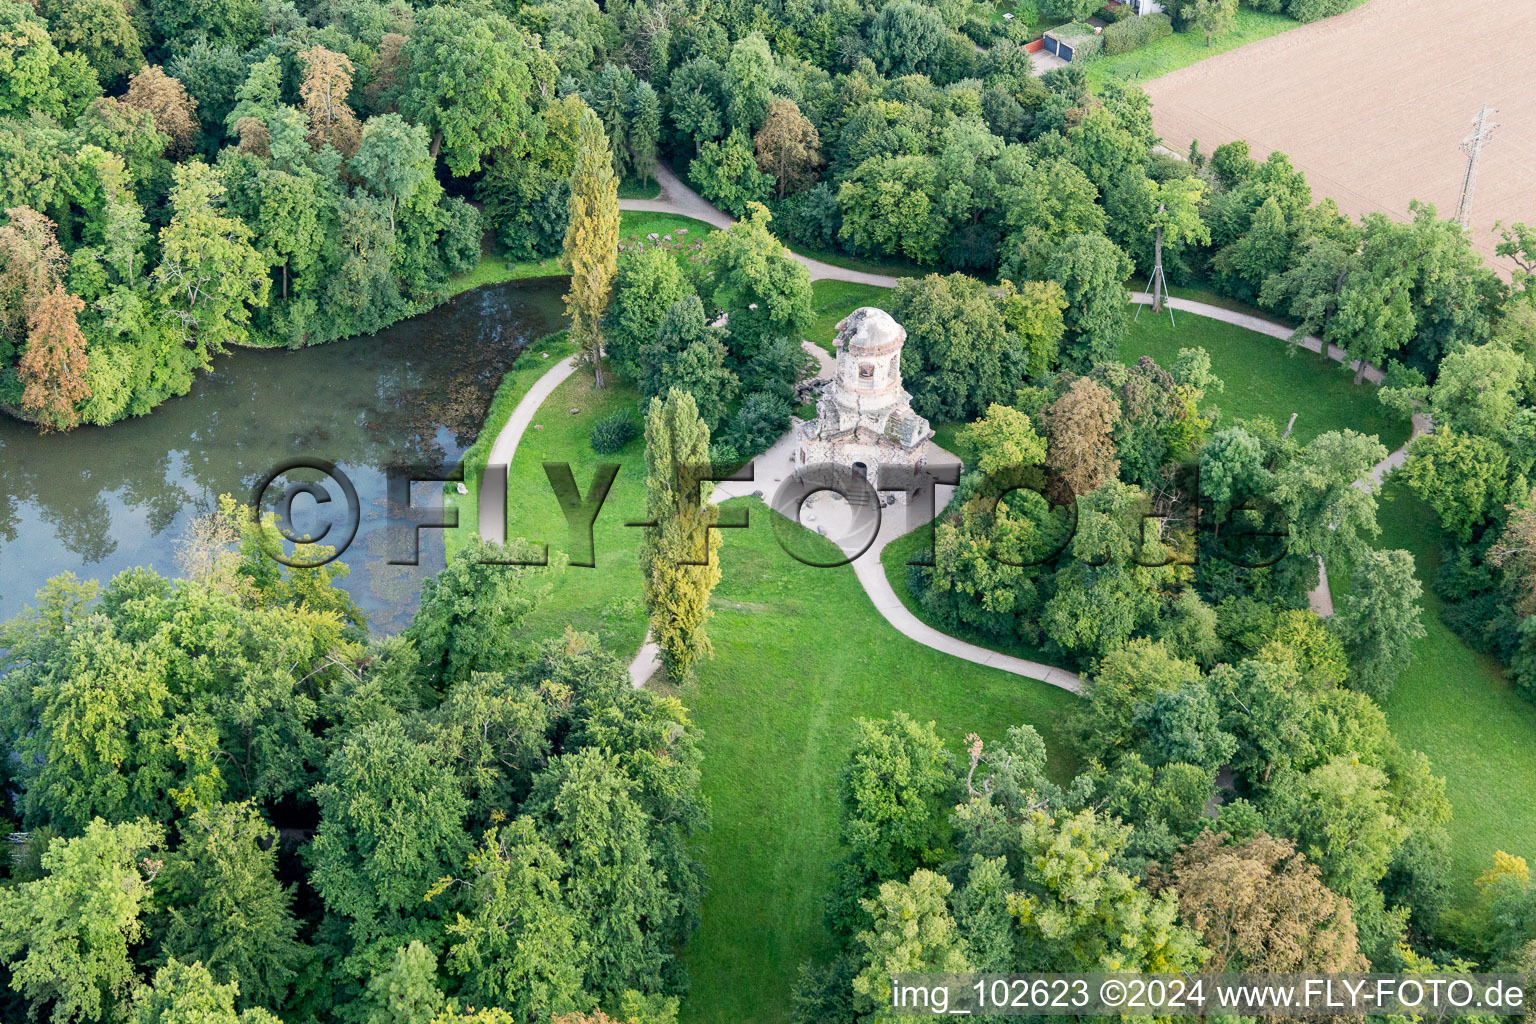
(34, 75)
(690, 355)
(750, 76)
(405, 992)
(727, 174)
(470, 612)
(906, 38)
(188, 994)
(1378, 619)
(210, 276)
(960, 355)
(516, 947)
(1175, 220)
(66, 937)
(472, 80)
(618, 897)
(1091, 271)
(591, 241)
(225, 908)
(887, 208)
(391, 825)
(1231, 469)
(757, 282)
(1076, 911)
(1341, 817)
(913, 931)
(648, 282)
(1460, 476)
(392, 159)
(101, 31)
(896, 789)
(1213, 17)
(1328, 495)
(1004, 438)
(1033, 312)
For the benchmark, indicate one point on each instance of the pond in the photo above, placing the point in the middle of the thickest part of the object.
(97, 501)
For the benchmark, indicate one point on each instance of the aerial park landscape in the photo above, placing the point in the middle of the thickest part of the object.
(662, 512)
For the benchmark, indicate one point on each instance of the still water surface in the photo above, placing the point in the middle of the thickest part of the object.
(99, 500)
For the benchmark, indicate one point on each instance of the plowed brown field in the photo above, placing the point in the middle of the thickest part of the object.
(1373, 105)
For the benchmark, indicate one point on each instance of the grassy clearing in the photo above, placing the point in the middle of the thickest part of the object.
(1184, 48)
(833, 300)
(634, 225)
(865, 264)
(632, 188)
(799, 654)
(495, 268)
(1456, 706)
(1266, 378)
(605, 599)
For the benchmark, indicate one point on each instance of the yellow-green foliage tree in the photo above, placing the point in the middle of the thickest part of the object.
(677, 586)
(591, 240)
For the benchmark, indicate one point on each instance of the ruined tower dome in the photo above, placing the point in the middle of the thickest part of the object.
(868, 331)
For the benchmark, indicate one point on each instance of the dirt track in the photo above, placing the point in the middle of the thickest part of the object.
(1373, 105)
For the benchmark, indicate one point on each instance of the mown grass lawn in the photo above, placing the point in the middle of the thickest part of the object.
(534, 361)
(831, 301)
(1456, 706)
(799, 654)
(495, 268)
(635, 225)
(1265, 377)
(604, 599)
(1184, 48)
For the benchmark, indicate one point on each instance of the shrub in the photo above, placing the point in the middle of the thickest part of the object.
(761, 420)
(613, 432)
(1125, 36)
(724, 457)
(1316, 10)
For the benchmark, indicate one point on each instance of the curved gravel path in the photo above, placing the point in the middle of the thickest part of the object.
(678, 198)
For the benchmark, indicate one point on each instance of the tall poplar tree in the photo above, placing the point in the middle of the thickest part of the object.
(591, 240)
(677, 502)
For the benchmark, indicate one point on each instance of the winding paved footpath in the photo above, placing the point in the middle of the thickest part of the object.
(778, 462)
(493, 483)
(678, 198)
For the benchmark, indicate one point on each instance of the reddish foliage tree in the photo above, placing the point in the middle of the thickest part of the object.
(52, 368)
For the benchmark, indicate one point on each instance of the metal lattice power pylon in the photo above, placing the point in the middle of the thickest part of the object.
(1472, 145)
